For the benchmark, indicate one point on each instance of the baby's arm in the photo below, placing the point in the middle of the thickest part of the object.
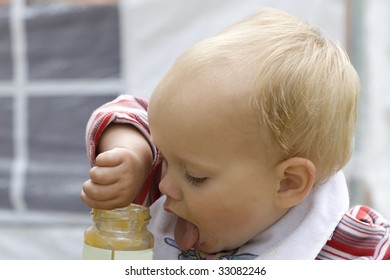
(120, 152)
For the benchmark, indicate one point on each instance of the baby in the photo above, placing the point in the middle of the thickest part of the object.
(240, 149)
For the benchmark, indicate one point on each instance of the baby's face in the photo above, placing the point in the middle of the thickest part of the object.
(218, 173)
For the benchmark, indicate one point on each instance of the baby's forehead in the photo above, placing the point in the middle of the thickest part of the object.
(217, 94)
(211, 110)
(207, 101)
(203, 93)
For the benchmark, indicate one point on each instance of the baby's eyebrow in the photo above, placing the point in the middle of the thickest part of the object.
(202, 166)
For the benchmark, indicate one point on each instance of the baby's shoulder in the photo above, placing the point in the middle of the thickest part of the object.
(362, 233)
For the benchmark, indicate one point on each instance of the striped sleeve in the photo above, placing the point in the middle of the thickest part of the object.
(124, 109)
(130, 110)
(361, 234)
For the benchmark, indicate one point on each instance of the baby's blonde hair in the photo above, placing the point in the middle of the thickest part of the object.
(304, 86)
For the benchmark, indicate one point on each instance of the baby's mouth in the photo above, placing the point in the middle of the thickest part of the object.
(186, 234)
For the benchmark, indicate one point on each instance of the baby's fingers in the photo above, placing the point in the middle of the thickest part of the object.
(98, 192)
(102, 204)
(109, 158)
(95, 194)
(104, 175)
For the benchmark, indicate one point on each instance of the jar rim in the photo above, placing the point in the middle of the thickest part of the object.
(130, 212)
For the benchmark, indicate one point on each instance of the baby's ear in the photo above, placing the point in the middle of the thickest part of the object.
(296, 181)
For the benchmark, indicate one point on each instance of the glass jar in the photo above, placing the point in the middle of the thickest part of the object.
(119, 234)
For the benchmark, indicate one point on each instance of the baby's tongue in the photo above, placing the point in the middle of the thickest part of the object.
(186, 234)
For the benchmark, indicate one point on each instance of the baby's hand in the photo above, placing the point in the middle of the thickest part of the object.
(115, 180)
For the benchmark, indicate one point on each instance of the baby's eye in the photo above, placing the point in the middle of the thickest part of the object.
(195, 181)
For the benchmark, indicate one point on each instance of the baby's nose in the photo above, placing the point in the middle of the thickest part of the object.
(169, 188)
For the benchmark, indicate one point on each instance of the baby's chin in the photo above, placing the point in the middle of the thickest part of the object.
(214, 248)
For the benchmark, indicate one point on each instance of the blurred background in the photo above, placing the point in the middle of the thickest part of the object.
(61, 59)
